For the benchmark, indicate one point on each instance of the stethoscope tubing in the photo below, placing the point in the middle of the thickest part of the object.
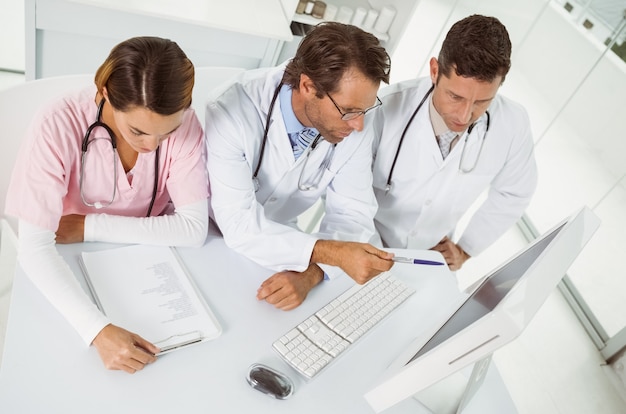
(85, 143)
(268, 121)
(406, 128)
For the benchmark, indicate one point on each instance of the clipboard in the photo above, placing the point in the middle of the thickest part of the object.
(147, 290)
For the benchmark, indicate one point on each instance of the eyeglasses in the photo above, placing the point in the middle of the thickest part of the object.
(346, 116)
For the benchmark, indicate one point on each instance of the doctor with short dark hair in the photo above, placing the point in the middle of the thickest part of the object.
(442, 140)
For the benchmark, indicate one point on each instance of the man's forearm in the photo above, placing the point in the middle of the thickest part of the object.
(326, 252)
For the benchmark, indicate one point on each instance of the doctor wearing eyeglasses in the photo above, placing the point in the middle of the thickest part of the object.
(120, 161)
(280, 139)
(442, 140)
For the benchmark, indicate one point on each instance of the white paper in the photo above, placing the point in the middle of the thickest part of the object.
(146, 290)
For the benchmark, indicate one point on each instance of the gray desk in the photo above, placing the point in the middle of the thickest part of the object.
(47, 369)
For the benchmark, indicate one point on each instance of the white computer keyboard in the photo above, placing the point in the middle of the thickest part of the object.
(329, 332)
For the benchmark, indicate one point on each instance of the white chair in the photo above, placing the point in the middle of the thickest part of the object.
(8, 260)
(18, 105)
(208, 80)
(310, 220)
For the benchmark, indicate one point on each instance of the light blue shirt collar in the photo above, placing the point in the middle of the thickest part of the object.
(292, 125)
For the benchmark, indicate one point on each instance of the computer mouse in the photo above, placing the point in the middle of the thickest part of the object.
(269, 381)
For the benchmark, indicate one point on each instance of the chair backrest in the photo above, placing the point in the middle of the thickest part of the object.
(19, 104)
(208, 79)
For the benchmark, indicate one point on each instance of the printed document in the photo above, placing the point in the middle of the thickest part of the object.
(146, 290)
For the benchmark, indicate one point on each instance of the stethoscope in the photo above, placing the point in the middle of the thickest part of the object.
(469, 131)
(84, 147)
(318, 176)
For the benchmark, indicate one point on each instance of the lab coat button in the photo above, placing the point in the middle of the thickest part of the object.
(428, 202)
(271, 200)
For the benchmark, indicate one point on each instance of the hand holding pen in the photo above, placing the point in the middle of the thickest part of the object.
(399, 259)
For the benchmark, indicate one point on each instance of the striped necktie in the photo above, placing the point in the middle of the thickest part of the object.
(303, 140)
(445, 140)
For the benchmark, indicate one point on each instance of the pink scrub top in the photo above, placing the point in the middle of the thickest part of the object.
(45, 181)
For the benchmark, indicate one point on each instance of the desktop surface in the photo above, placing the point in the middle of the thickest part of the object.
(47, 368)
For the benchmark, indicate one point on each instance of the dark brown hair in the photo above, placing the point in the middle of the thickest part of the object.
(476, 47)
(329, 50)
(147, 72)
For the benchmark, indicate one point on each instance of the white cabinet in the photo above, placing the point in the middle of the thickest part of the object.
(392, 15)
(75, 36)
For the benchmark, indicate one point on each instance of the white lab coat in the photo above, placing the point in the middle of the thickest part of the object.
(262, 225)
(428, 194)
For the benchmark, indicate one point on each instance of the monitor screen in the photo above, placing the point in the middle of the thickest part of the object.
(494, 314)
(489, 294)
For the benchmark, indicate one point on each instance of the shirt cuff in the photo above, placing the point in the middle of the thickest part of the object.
(331, 272)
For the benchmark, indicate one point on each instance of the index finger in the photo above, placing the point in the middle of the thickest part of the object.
(382, 254)
(145, 351)
(382, 264)
(268, 288)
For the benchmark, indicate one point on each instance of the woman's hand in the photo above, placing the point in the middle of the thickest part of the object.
(123, 350)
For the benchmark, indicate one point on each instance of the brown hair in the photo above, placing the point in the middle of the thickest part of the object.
(329, 50)
(476, 47)
(147, 72)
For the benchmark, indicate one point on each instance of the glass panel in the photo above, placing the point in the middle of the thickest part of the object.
(598, 274)
(581, 151)
(602, 20)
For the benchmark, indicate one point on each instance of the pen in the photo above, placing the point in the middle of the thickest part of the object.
(416, 261)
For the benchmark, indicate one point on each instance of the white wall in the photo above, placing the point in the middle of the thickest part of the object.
(432, 19)
(11, 28)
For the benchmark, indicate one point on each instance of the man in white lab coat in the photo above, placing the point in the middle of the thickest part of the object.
(442, 140)
(278, 140)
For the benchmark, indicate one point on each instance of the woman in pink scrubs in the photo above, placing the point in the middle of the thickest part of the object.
(142, 179)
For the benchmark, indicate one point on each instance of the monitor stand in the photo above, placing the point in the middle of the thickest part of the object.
(452, 394)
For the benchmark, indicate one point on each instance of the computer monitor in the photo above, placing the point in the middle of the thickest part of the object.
(495, 313)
